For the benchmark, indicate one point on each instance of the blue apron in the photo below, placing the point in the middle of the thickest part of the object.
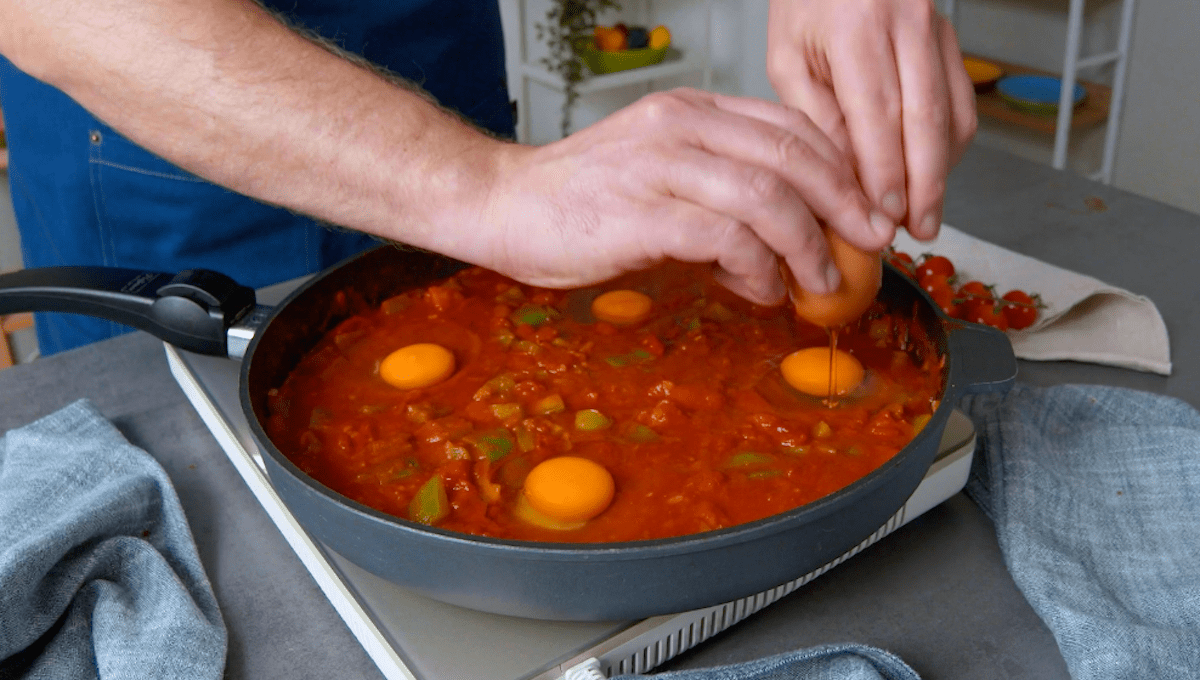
(85, 195)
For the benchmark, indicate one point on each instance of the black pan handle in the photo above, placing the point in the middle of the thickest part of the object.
(983, 358)
(192, 310)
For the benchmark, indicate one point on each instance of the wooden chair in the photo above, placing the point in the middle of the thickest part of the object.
(8, 325)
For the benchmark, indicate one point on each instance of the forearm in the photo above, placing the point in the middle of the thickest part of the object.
(224, 90)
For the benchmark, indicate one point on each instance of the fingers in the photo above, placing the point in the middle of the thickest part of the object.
(890, 73)
(743, 262)
(939, 117)
(925, 102)
(786, 119)
(749, 214)
(790, 144)
(797, 86)
(822, 107)
(867, 82)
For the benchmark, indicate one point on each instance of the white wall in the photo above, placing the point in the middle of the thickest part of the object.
(24, 343)
(10, 241)
(1159, 150)
(1157, 154)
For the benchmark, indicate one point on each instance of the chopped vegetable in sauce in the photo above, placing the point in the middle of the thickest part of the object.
(685, 408)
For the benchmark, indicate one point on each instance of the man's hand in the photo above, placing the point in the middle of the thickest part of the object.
(687, 175)
(885, 80)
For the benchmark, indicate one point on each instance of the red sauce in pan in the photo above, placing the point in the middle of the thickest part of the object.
(686, 409)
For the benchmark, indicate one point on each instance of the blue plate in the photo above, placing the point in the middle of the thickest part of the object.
(1035, 94)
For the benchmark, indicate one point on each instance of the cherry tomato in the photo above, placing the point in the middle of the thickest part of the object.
(975, 290)
(941, 292)
(944, 299)
(935, 265)
(986, 312)
(973, 301)
(935, 282)
(1021, 309)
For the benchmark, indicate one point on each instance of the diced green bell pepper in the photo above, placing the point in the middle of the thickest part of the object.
(494, 444)
(526, 440)
(590, 419)
(506, 411)
(920, 422)
(430, 504)
(532, 315)
(512, 296)
(640, 434)
(549, 405)
(747, 459)
(526, 347)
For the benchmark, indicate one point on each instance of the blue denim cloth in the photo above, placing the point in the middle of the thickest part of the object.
(99, 576)
(1095, 493)
(828, 662)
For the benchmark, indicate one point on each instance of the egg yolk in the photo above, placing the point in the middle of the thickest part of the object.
(565, 492)
(419, 365)
(621, 307)
(812, 371)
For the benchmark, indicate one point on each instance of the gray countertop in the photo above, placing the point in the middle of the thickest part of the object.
(936, 593)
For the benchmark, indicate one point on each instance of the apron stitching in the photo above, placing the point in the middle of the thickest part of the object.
(151, 173)
(108, 246)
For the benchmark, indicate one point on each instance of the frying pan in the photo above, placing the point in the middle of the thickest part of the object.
(207, 312)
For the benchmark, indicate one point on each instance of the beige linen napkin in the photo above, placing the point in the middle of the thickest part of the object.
(1084, 319)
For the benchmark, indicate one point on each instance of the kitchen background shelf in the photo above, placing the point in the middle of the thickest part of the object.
(675, 63)
(1092, 111)
(1102, 105)
(689, 54)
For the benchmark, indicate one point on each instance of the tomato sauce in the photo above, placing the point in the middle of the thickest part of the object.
(687, 409)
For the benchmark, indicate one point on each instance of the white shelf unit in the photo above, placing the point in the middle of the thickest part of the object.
(692, 56)
(1073, 62)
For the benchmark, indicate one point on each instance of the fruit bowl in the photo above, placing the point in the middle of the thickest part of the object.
(601, 62)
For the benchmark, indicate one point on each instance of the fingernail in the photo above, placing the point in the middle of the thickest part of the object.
(929, 226)
(882, 225)
(893, 204)
(833, 277)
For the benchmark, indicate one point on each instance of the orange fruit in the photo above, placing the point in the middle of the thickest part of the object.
(660, 37)
(609, 39)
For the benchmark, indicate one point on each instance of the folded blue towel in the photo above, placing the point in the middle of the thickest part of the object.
(99, 576)
(1095, 493)
(828, 662)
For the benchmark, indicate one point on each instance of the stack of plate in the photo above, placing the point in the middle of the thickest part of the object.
(984, 74)
(1035, 94)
